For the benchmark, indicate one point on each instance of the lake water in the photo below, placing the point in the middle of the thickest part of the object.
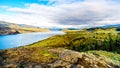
(10, 41)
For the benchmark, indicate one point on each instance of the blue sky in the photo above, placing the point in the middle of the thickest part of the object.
(20, 3)
(13, 3)
(61, 13)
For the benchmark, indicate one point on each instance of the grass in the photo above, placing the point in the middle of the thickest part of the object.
(46, 51)
(98, 40)
(34, 55)
(113, 57)
(107, 40)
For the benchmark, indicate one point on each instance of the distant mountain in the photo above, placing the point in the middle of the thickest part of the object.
(117, 26)
(60, 29)
(55, 29)
(11, 28)
(27, 26)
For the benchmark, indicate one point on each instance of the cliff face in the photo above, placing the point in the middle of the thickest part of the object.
(10, 28)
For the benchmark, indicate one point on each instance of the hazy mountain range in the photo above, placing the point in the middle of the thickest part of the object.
(117, 26)
(11, 28)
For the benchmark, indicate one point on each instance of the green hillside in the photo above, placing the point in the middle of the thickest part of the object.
(80, 48)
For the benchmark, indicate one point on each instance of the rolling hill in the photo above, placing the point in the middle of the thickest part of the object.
(116, 26)
(11, 28)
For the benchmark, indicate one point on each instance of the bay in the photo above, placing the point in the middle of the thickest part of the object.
(16, 40)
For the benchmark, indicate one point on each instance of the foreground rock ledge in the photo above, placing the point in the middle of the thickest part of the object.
(72, 59)
(69, 59)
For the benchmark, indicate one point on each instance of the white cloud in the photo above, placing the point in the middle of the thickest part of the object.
(64, 13)
(4, 7)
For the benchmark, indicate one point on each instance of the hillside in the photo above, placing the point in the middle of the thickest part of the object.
(11, 28)
(75, 49)
(117, 27)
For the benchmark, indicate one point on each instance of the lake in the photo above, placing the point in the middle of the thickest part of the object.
(10, 41)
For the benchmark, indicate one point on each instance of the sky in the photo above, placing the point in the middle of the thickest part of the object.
(61, 13)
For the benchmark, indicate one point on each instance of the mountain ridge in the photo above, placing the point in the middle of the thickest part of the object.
(11, 28)
(116, 26)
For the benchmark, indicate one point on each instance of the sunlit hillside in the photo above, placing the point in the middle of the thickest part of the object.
(11, 28)
(102, 45)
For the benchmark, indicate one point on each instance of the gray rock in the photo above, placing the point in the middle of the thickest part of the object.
(73, 59)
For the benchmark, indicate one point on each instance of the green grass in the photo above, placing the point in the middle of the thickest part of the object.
(112, 57)
(34, 55)
(45, 51)
(107, 40)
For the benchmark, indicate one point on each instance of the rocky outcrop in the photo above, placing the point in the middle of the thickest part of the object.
(67, 59)
(72, 59)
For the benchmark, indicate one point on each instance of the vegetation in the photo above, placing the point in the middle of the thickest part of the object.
(108, 40)
(113, 57)
(23, 56)
(98, 42)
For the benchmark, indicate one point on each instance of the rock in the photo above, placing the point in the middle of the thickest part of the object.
(67, 59)
(79, 66)
(72, 59)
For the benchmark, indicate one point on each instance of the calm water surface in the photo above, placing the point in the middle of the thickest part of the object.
(10, 41)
